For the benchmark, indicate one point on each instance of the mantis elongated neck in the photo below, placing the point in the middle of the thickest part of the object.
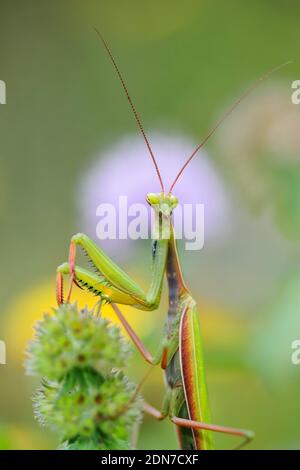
(175, 279)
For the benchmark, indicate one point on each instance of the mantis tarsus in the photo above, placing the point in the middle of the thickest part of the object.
(180, 354)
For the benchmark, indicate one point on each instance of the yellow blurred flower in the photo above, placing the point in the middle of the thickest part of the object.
(23, 438)
(29, 307)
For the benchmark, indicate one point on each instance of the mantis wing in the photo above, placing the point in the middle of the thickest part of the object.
(193, 377)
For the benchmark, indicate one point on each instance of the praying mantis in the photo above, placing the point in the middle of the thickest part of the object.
(180, 354)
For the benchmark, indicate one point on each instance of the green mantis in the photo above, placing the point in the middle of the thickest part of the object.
(180, 354)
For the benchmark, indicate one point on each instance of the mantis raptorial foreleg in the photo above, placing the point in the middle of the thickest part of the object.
(94, 283)
(110, 276)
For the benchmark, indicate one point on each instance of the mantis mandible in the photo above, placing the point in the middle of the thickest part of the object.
(180, 353)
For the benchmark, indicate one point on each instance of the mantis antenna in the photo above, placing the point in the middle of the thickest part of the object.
(222, 119)
(132, 107)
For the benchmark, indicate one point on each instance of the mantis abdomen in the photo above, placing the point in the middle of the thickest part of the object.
(185, 372)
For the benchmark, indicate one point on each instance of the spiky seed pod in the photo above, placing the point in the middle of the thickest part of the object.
(104, 410)
(72, 339)
(83, 397)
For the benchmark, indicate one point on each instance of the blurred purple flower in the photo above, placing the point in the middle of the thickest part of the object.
(125, 169)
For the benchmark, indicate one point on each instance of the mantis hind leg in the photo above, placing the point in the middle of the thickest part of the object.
(195, 425)
(173, 403)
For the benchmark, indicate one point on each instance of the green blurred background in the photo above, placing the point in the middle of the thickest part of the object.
(184, 62)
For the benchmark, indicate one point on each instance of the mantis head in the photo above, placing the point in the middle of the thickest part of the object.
(162, 203)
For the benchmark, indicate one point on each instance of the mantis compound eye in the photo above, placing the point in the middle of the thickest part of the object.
(172, 201)
(153, 199)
